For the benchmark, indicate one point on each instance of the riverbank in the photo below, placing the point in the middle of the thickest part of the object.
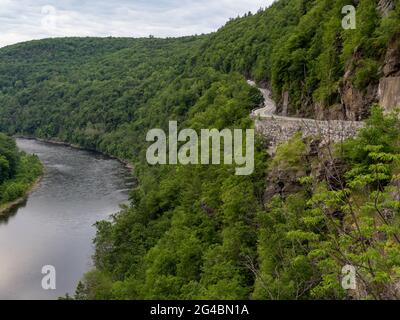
(20, 174)
(6, 208)
(57, 224)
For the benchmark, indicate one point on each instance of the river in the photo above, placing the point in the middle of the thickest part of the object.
(56, 225)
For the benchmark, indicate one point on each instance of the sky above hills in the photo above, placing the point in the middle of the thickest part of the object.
(22, 20)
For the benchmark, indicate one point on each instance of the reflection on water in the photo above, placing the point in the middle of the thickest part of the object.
(12, 212)
(55, 225)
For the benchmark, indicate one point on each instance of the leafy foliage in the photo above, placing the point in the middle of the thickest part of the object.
(351, 219)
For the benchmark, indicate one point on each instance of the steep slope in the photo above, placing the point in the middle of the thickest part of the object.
(60, 89)
(314, 67)
(27, 63)
(298, 48)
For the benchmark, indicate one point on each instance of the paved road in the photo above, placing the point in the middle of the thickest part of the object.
(269, 108)
(268, 111)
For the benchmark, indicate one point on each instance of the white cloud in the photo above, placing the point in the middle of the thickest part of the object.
(22, 20)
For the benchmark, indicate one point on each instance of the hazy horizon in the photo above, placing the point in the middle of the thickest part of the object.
(26, 20)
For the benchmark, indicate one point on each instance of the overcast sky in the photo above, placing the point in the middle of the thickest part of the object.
(22, 20)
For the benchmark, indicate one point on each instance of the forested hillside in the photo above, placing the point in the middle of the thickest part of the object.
(200, 232)
(301, 48)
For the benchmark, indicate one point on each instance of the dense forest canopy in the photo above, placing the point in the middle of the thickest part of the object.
(200, 232)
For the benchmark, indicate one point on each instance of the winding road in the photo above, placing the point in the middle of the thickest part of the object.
(269, 108)
(268, 111)
(280, 128)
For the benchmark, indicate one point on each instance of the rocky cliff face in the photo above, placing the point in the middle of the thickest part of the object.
(389, 93)
(389, 85)
(385, 6)
(356, 103)
(316, 161)
(391, 67)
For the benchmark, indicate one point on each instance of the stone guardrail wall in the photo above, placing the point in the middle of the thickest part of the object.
(280, 129)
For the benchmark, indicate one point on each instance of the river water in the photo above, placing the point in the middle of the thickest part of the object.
(56, 225)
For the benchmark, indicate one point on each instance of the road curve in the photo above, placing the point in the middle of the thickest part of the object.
(268, 111)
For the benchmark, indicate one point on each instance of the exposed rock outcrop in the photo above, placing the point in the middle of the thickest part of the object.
(385, 6)
(285, 103)
(389, 86)
(283, 183)
(389, 93)
(391, 66)
(335, 112)
(356, 103)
